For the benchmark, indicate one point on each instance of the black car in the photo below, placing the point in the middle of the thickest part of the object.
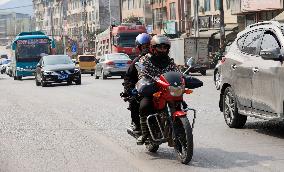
(56, 69)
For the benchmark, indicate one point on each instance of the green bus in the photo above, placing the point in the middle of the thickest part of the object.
(27, 49)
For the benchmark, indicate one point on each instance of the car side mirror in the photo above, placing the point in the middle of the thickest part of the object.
(270, 54)
(38, 65)
(14, 46)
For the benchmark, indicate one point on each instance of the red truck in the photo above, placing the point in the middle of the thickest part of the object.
(119, 39)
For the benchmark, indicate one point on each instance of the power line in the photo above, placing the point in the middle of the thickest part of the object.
(16, 7)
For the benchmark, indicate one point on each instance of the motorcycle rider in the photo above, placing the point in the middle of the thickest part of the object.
(155, 64)
(131, 78)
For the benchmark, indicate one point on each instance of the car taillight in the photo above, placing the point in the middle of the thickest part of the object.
(110, 63)
(129, 62)
(223, 60)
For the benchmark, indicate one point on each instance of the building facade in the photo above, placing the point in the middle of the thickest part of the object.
(11, 24)
(253, 11)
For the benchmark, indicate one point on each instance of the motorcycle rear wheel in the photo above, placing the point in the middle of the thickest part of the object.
(184, 140)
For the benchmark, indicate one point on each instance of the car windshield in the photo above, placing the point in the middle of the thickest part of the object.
(87, 58)
(127, 39)
(117, 57)
(54, 60)
(31, 50)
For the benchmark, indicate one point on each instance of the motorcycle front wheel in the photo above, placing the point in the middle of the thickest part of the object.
(183, 140)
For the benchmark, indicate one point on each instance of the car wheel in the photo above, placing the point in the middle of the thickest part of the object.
(78, 82)
(37, 82)
(96, 76)
(69, 82)
(103, 76)
(230, 110)
(43, 84)
(217, 79)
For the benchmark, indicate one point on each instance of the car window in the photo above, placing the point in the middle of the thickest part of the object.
(251, 42)
(117, 57)
(87, 58)
(241, 41)
(269, 41)
(54, 60)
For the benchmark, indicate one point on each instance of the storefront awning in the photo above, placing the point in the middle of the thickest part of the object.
(206, 33)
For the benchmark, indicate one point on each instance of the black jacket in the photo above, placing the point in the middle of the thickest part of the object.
(131, 76)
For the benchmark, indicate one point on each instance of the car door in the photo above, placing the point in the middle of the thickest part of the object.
(242, 68)
(265, 81)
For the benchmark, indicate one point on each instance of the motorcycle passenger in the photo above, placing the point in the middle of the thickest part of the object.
(156, 64)
(131, 78)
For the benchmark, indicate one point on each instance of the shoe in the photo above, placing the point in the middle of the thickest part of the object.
(136, 129)
(141, 140)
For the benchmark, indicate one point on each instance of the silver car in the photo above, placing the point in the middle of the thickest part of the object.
(115, 64)
(253, 75)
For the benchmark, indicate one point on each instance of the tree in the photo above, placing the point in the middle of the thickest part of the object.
(132, 19)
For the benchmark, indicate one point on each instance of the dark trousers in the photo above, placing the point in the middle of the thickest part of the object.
(134, 110)
(146, 108)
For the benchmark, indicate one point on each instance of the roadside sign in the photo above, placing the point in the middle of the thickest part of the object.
(74, 48)
(149, 28)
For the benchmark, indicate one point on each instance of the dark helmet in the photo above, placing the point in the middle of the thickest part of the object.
(143, 38)
(160, 39)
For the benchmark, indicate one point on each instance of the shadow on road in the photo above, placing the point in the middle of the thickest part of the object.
(271, 128)
(215, 158)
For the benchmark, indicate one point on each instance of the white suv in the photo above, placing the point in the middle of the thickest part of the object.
(253, 75)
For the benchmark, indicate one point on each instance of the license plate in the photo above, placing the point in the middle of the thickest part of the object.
(63, 76)
(119, 65)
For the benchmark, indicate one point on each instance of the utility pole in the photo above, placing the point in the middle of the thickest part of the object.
(222, 27)
(187, 29)
(83, 19)
(196, 28)
(110, 23)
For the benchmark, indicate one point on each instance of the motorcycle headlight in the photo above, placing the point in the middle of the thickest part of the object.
(176, 91)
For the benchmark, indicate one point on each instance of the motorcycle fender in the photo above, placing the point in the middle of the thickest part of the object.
(179, 114)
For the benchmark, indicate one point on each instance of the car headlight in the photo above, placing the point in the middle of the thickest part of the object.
(176, 91)
(76, 70)
(49, 73)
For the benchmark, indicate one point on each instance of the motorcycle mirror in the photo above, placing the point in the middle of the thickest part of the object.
(190, 62)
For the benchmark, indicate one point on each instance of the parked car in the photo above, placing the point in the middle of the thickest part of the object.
(253, 75)
(115, 64)
(4, 65)
(56, 69)
(9, 69)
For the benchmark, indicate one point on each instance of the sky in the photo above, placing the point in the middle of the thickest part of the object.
(17, 3)
(3, 1)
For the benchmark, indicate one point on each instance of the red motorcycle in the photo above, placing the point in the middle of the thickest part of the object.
(170, 123)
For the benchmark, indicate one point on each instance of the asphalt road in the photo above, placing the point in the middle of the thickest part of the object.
(83, 128)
